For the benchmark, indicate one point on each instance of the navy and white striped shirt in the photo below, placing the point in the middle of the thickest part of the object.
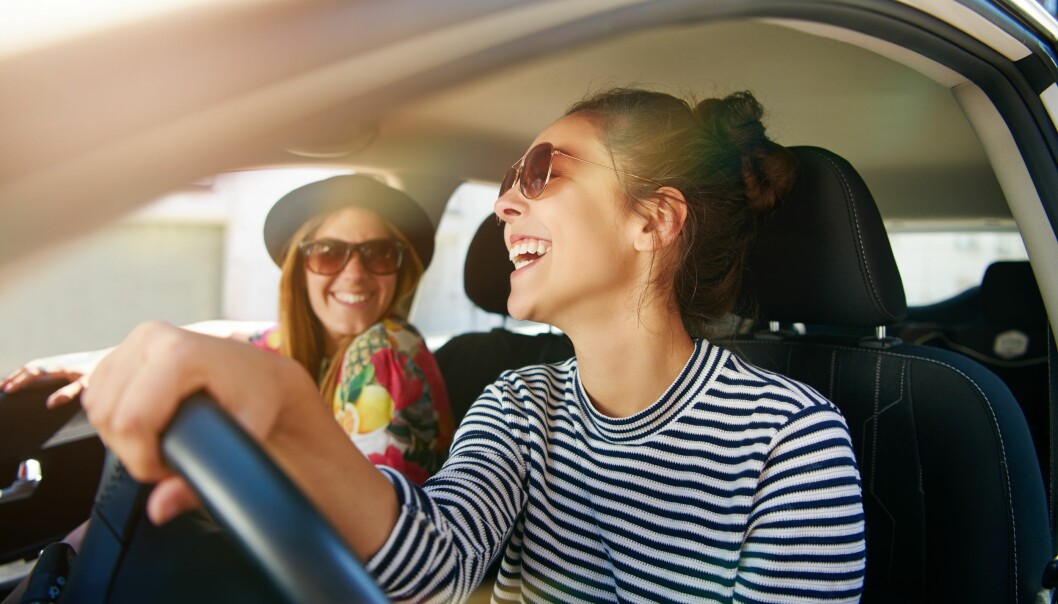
(738, 484)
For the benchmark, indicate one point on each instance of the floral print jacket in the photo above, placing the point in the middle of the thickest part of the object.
(390, 399)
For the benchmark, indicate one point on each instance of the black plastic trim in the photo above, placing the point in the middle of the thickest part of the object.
(1036, 73)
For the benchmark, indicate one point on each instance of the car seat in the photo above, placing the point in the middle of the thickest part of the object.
(954, 502)
(470, 362)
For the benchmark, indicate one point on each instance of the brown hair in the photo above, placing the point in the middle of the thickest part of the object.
(300, 332)
(715, 153)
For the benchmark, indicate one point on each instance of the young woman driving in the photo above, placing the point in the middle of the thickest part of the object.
(653, 466)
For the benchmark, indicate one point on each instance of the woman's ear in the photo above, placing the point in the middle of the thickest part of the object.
(663, 217)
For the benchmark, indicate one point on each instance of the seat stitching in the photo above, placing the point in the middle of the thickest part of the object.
(874, 459)
(850, 203)
(874, 419)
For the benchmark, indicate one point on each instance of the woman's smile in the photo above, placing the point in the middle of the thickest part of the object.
(527, 251)
(349, 298)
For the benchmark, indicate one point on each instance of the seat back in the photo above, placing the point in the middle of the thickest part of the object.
(954, 502)
(470, 362)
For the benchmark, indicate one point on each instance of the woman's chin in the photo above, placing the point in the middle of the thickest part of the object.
(519, 309)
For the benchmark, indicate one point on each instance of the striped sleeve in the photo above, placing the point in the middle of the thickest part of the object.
(805, 540)
(449, 531)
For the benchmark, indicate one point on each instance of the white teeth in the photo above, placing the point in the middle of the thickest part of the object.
(348, 298)
(525, 248)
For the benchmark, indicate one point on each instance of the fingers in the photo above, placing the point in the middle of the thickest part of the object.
(66, 394)
(135, 391)
(20, 378)
(170, 498)
(31, 373)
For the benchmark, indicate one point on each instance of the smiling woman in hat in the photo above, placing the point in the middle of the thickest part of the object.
(352, 251)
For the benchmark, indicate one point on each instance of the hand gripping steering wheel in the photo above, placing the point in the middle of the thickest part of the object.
(247, 494)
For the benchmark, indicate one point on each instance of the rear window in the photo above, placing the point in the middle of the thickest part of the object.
(936, 264)
(442, 308)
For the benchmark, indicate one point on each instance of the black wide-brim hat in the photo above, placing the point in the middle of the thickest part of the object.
(348, 191)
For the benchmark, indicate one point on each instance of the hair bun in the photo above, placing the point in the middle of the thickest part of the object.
(768, 169)
(735, 119)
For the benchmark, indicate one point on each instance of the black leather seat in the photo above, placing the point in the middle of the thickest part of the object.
(470, 362)
(953, 497)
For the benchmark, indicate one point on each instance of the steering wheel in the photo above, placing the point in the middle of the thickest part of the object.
(243, 489)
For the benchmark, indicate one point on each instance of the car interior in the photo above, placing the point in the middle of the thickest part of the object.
(926, 114)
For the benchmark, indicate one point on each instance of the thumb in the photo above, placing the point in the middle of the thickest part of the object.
(170, 498)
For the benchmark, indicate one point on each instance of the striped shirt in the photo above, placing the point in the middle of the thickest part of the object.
(738, 484)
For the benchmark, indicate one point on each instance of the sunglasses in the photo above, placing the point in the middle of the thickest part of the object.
(533, 171)
(329, 256)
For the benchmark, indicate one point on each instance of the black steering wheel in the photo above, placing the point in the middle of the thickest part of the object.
(246, 493)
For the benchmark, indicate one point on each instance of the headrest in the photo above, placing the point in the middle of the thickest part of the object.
(487, 271)
(1011, 297)
(824, 257)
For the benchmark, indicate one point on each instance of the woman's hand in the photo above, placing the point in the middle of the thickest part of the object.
(74, 368)
(136, 389)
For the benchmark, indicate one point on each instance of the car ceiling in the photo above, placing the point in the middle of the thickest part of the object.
(904, 131)
(117, 118)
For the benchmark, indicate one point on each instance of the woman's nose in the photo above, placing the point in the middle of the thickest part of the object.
(510, 205)
(354, 267)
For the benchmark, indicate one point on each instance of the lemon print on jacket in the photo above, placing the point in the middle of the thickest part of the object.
(375, 408)
(349, 419)
(364, 398)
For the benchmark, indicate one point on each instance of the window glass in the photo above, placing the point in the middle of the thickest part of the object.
(89, 293)
(936, 264)
(442, 308)
(191, 256)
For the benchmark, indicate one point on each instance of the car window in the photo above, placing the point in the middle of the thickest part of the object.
(198, 255)
(937, 263)
(191, 256)
(87, 294)
(442, 308)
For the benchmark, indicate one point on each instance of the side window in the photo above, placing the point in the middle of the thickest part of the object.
(198, 255)
(441, 308)
(190, 256)
(936, 264)
(161, 263)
